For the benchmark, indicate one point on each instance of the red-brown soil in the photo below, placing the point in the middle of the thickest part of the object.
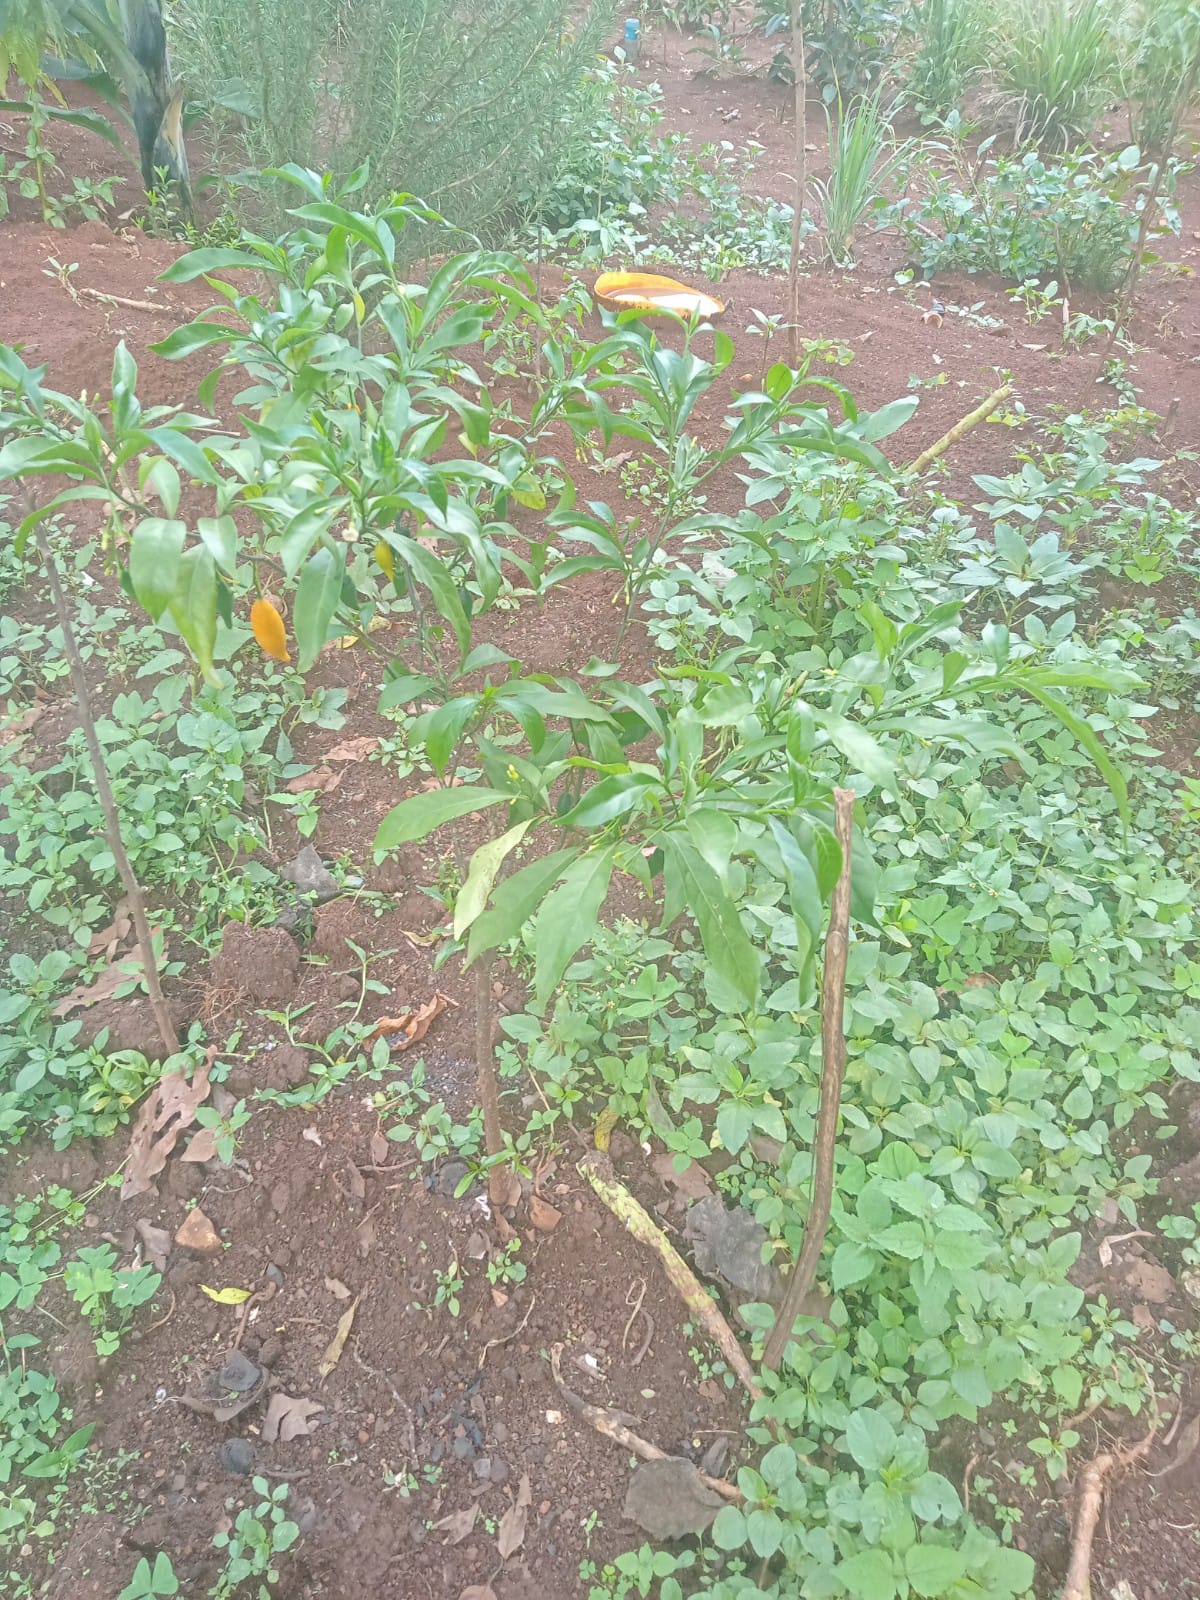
(427, 1414)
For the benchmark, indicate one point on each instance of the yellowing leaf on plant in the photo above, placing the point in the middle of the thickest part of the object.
(527, 491)
(605, 1123)
(385, 560)
(267, 626)
(227, 1297)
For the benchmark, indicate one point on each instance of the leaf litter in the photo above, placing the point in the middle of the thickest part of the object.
(333, 1352)
(169, 1108)
(289, 1417)
(510, 1535)
(411, 1026)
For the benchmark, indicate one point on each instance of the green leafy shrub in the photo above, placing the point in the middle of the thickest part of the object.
(1074, 217)
(849, 45)
(1023, 991)
(1164, 41)
(463, 113)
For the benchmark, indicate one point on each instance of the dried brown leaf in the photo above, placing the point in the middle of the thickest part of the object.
(337, 1288)
(353, 749)
(126, 969)
(107, 939)
(288, 1418)
(321, 780)
(168, 1110)
(411, 1026)
(313, 1137)
(202, 1146)
(693, 1182)
(17, 726)
(543, 1215)
(333, 1352)
(380, 1149)
(478, 1591)
(459, 1523)
(1189, 1443)
(156, 1242)
(510, 1535)
(366, 1236)
(197, 1233)
(358, 1187)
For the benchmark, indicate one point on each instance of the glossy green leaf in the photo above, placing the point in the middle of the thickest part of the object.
(726, 942)
(317, 596)
(154, 556)
(481, 875)
(419, 816)
(193, 606)
(568, 918)
(514, 901)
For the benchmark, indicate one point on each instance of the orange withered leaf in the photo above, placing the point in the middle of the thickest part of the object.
(267, 626)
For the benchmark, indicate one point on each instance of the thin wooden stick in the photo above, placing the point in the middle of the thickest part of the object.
(597, 1169)
(833, 1067)
(108, 805)
(485, 1067)
(801, 161)
(131, 305)
(971, 420)
(605, 1422)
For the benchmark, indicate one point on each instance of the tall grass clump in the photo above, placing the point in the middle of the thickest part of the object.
(863, 156)
(949, 57)
(1055, 62)
(453, 101)
(1164, 36)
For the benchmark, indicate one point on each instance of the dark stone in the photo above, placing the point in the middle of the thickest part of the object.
(237, 1456)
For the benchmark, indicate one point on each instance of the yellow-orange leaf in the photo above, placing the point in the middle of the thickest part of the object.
(267, 626)
(386, 560)
(647, 291)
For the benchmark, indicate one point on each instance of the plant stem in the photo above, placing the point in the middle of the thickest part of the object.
(801, 161)
(489, 1084)
(833, 1067)
(112, 819)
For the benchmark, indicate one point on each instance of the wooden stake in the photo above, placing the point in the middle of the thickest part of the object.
(972, 420)
(108, 805)
(833, 1067)
(801, 161)
(489, 1086)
